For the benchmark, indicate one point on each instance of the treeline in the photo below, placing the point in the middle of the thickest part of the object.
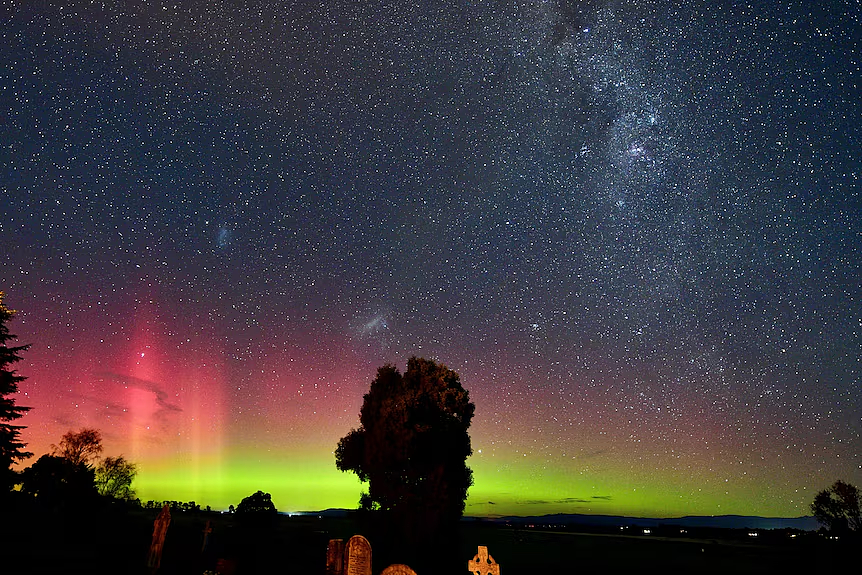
(74, 473)
(182, 506)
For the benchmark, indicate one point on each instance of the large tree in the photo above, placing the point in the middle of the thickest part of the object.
(11, 446)
(80, 447)
(259, 503)
(411, 448)
(257, 510)
(114, 476)
(838, 508)
(57, 482)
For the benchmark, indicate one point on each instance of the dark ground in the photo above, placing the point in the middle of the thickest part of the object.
(116, 541)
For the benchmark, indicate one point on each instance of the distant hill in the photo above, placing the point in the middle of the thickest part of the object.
(719, 521)
(331, 513)
(806, 523)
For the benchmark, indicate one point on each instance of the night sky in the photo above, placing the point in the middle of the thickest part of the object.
(633, 228)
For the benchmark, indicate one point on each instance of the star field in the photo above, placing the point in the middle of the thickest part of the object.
(632, 228)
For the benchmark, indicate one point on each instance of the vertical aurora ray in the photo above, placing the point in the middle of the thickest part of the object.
(144, 381)
(206, 421)
(175, 394)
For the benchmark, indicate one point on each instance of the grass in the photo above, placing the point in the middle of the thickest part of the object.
(117, 541)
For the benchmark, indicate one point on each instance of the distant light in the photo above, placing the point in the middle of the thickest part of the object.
(647, 531)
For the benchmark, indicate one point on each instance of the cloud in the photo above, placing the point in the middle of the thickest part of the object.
(567, 500)
(164, 407)
(591, 454)
(112, 409)
(64, 419)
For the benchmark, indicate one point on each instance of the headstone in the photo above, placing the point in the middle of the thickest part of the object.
(358, 556)
(207, 530)
(226, 566)
(335, 557)
(160, 529)
(483, 563)
(398, 569)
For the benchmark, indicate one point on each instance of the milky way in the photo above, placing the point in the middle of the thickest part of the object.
(632, 228)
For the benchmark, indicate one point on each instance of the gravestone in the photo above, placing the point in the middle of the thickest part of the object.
(398, 569)
(207, 530)
(160, 529)
(358, 556)
(335, 557)
(226, 566)
(483, 563)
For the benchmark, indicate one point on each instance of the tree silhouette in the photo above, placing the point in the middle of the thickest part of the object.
(57, 482)
(411, 447)
(114, 476)
(259, 503)
(11, 446)
(257, 511)
(837, 508)
(82, 446)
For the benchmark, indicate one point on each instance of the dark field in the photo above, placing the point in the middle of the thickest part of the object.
(117, 541)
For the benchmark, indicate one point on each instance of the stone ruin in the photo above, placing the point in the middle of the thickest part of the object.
(351, 558)
(483, 563)
(160, 529)
(354, 558)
